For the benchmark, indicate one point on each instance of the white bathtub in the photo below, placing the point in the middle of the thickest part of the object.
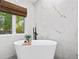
(40, 49)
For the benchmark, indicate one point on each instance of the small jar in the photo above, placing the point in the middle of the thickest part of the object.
(25, 42)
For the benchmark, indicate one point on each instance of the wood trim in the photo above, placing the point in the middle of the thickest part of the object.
(12, 8)
(0, 1)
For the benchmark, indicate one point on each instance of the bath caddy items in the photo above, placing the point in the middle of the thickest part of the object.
(27, 40)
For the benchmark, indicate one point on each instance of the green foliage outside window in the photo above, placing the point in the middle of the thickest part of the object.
(19, 24)
(5, 23)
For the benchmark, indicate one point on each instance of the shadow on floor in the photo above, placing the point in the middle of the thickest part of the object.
(12, 57)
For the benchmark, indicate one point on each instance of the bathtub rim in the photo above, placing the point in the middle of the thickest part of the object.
(37, 44)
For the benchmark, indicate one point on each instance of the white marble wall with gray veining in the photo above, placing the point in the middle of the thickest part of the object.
(57, 20)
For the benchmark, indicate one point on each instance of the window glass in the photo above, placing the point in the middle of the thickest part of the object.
(5, 23)
(19, 24)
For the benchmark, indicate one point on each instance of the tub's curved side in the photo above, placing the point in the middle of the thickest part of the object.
(35, 52)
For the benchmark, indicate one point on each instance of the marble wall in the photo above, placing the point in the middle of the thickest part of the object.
(57, 20)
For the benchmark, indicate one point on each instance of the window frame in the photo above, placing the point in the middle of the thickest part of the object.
(14, 27)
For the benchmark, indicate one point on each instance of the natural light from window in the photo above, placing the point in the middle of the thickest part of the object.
(6, 23)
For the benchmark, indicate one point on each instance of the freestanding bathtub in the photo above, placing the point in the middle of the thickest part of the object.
(40, 49)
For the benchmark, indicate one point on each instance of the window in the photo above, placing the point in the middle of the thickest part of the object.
(6, 23)
(19, 24)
